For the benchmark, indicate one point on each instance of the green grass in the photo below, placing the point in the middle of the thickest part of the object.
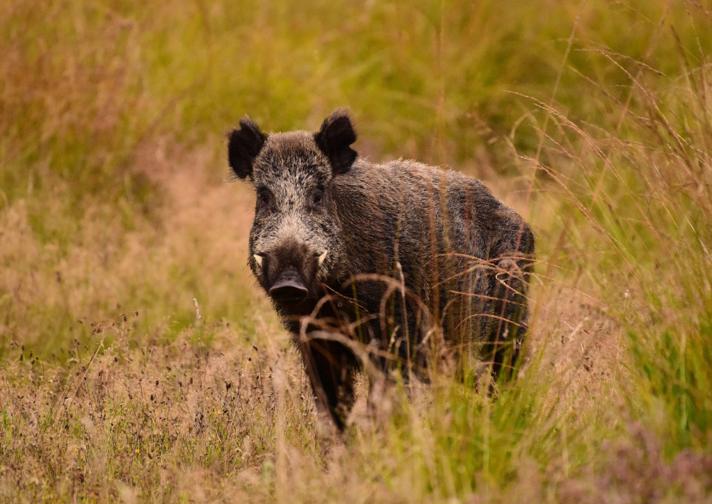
(138, 361)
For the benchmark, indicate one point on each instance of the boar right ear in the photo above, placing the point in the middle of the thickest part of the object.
(243, 147)
(334, 138)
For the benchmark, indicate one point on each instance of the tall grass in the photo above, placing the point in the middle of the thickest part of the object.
(138, 360)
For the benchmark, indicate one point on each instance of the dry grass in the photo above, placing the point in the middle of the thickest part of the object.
(200, 408)
(139, 361)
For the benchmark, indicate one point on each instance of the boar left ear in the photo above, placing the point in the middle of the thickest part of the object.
(334, 138)
(243, 147)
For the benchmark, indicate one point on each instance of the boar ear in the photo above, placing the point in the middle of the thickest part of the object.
(334, 138)
(243, 146)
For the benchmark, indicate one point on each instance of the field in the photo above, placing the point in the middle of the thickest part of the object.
(139, 362)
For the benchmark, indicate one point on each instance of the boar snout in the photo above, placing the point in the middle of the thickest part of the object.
(289, 271)
(289, 287)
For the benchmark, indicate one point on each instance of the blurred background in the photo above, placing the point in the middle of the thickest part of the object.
(123, 244)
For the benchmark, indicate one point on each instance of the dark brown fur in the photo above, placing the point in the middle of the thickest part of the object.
(336, 225)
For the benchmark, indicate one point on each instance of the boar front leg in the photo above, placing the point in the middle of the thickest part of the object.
(331, 368)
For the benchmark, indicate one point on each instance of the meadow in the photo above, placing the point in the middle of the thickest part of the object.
(139, 362)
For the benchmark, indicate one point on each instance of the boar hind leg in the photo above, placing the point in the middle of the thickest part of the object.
(510, 325)
(331, 367)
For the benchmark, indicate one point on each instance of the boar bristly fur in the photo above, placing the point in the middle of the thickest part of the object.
(396, 256)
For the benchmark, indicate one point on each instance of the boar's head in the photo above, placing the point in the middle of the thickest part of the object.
(294, 241)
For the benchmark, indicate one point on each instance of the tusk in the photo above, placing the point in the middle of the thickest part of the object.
(322, 257)
(258, 259)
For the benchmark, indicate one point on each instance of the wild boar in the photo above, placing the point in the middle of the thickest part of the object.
(391, 259)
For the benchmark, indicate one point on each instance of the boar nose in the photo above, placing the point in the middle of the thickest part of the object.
(289, 287)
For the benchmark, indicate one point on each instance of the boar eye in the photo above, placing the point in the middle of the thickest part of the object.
(317, 197)
(264, 196)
